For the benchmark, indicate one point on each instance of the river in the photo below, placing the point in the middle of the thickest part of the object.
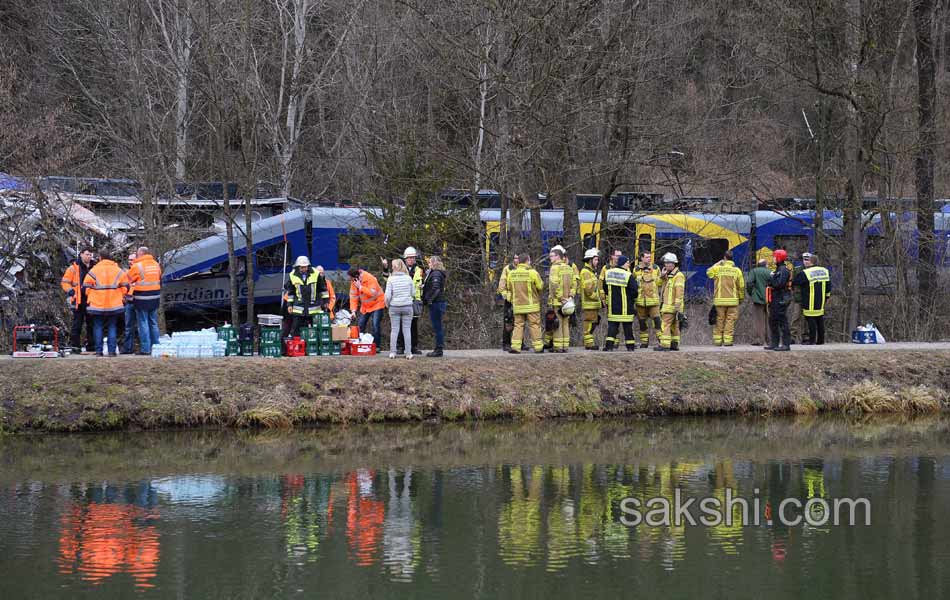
(536, 510)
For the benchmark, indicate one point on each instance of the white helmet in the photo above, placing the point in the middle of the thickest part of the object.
(559, 247)
(591, 253)
(410, 252)
(302, 261)
(670, 257)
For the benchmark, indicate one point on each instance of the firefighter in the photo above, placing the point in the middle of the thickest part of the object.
(648, 300)
(145, 276)
(106, 286)
(728, 292)
(524, 287)
(76, 297)
(509, 316)
(672, 303)
(562, 287)
(814, 282)
(592, 296)
(410, 258)
(306, 294)
(779, 297)
(611, 263)
(620, 289)
(367, 300)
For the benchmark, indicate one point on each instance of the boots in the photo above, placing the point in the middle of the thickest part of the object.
(675, 346)
(435, 353)
(608, 346)
(661, 349)
(631, 347)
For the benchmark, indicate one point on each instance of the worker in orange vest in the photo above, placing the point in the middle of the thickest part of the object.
(145, 276)
(367, 299)
(76, 296)
(332, 299)
(106, 284)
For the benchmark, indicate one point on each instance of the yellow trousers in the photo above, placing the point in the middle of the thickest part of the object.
(562, 335)
(533, 321)
(644, 313)
(591, 321)
(670, 330)
(725, 326)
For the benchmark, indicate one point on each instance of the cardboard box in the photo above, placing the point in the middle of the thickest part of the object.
(339, 333)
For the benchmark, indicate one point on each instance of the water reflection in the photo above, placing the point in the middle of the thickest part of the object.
(452, 530)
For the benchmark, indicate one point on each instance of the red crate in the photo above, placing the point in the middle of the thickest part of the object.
(358, 349)
(295, 347)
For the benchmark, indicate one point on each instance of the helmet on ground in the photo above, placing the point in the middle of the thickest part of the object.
(302, 261)
(591, 253)
(780, 256)
(669, 257)
(410, 252)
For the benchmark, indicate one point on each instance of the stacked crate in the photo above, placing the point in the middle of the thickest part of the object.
(229, 335)
(271, 345)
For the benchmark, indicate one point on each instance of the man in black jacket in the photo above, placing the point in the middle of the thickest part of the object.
(780, 295)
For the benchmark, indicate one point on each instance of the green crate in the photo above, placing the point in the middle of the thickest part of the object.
(309, 334)
(313, 349)
(321, 321)
(234, 348)
(247, 348)
(325, 338)
(337, 348)
(227, 333)
(270, 334)
(271, 351)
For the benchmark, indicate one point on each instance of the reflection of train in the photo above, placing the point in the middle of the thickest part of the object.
(196, 275)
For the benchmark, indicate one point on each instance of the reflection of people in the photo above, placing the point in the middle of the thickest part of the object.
(399, 528)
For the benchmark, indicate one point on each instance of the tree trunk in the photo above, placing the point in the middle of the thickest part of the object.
(924, 161)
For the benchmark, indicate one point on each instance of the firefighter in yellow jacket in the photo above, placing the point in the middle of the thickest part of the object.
(672, 303)
(648, 300)
(728, 292)
(592, 296)
(524, 286)
(562, 287)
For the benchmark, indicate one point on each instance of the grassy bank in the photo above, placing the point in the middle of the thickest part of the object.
(134, 394)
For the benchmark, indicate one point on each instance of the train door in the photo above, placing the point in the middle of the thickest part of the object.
(590, 234)
(646, 240)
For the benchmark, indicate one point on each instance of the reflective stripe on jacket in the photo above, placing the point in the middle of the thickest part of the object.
(106, 284)
(365, 294)
(525, 287)
(306, 297)
(648, 279)
(620, 286)
(729, 284)
(592, 294)
(145, 277)
(72, 281)
(674, 292)
(819, 282)
(561, 284)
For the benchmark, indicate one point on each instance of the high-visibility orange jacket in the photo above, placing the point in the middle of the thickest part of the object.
(145, 277)
(72, 282)
(106, 284)
(332, 299)
(365, 294)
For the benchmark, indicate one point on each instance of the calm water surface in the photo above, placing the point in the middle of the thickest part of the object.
(488, 511)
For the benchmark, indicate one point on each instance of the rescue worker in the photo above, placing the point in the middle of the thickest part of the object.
(611, 263)
(367, 300)
(755, 285)
(648, 300)
(672, 303)
(410, 259)
(728, 292)
(306, 294)
(509, 316)
(562, 287)
(524, 287)
(796, 321)
(620, 290)
(76, 297)
(814, 282)
(145, 277)
(779, 296)
(106, 286)
(592, 296)
(131, 324)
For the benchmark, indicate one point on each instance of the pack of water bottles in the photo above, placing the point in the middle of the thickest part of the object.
(191, 344)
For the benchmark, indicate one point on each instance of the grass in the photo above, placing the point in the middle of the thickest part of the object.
(140, 394)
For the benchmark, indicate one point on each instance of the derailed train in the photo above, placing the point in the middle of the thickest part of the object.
(196, 275)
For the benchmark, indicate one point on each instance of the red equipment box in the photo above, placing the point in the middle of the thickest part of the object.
(295, 347)
(358, 349)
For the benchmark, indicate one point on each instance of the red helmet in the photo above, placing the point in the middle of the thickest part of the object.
(780, 256)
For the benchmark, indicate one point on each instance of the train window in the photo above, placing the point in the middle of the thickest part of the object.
(675, 245)
(795, 245)
(644, 243)
(494, 246)
(272, 257)
(709, 251)
(590, 241)
(353, 245)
